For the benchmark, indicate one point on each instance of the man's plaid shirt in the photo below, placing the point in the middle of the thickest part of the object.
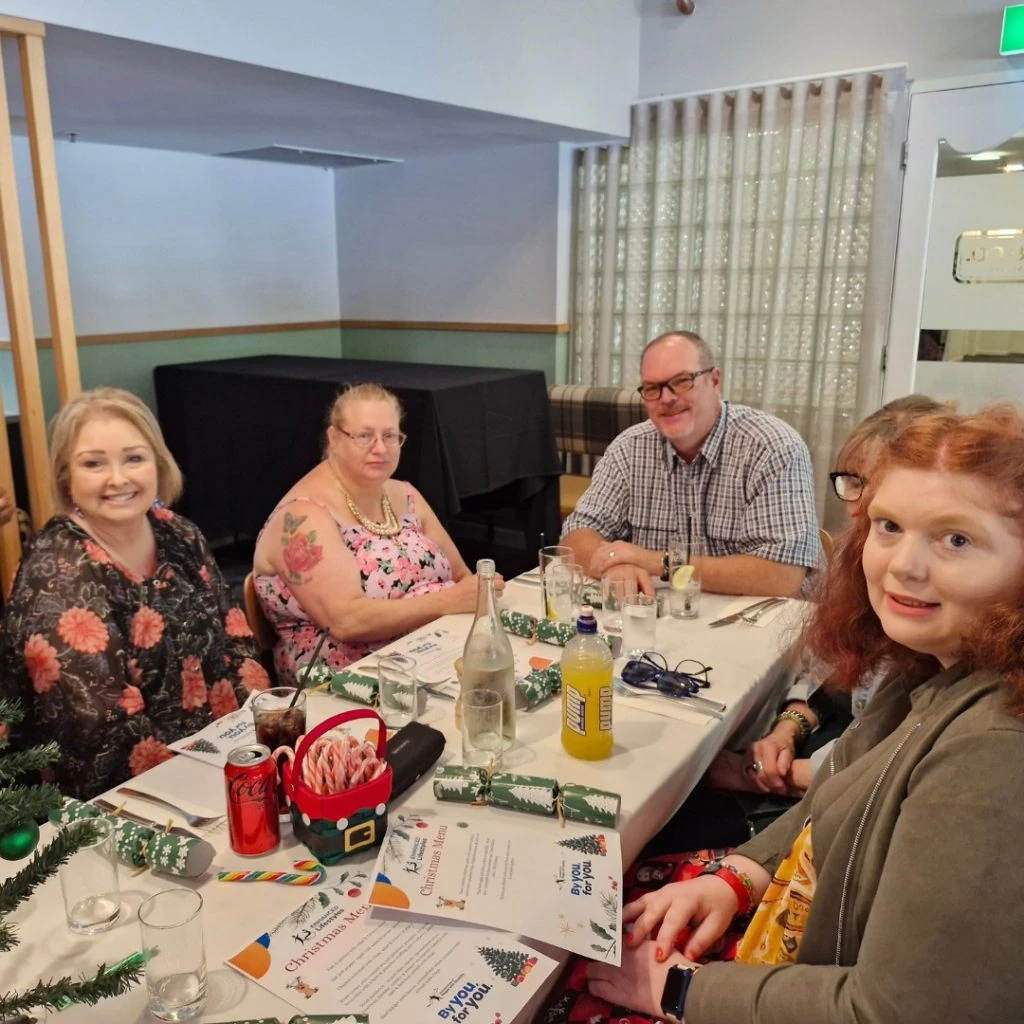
(750, 491)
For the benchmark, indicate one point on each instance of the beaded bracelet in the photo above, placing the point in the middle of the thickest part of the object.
(803, 723)
(740, 883)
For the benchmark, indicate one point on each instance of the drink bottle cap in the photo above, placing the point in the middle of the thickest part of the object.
(586, 623)
(485, 567)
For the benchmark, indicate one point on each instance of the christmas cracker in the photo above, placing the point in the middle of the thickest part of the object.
(141, 846)
(530, 793)
(539, 686)
(355, 686)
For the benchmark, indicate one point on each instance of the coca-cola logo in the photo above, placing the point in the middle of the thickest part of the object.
(251, 788)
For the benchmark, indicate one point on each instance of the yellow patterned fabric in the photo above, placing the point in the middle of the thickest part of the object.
(775, 931)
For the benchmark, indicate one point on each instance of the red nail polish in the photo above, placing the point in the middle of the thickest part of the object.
(659, 954)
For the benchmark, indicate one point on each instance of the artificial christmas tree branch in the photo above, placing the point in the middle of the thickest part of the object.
(22, 806)
(30, 803)
(19, 887)
(54, 995)
(23, 761)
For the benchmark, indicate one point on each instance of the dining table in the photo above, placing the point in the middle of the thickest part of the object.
(661, 750)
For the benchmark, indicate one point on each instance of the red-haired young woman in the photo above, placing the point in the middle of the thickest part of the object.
(891, 892)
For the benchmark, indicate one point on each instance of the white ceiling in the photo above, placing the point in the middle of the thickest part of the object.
(121, 92)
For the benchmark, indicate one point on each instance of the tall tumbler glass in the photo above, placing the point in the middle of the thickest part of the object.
(92, 896)
(172, 938)
(279, 723)
(399, 697)
(639, 624)
(553, 554)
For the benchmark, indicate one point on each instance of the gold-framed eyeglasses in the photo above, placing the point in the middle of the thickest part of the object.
(368, 438)
(848, 486)
(651, 390)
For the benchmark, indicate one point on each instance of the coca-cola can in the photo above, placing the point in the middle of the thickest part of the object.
(250, 778)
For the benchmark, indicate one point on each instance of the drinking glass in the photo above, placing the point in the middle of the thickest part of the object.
(613, 596)
(481, 728)
(279, 723)
(553, 554)
(172, 937)
(639, 624)
(92, 896)
(564, 587)
(684, 586)
(396, 675)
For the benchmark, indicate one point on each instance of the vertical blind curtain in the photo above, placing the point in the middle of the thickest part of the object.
(765, 219)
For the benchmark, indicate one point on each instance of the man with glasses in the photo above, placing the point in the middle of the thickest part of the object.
(731, 484)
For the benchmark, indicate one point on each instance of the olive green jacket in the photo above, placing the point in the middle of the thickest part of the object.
(918, 910)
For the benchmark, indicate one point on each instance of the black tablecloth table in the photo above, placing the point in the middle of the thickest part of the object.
(244, 430)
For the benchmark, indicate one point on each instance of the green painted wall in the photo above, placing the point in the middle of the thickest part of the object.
(129, 365)
(546, 352)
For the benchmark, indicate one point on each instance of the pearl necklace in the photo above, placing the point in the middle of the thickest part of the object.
(390, 525)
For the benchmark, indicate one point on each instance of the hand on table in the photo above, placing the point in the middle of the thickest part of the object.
(628, 571)
(706, 904)
(638, 983)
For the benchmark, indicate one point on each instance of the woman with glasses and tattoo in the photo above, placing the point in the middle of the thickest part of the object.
(347, 541)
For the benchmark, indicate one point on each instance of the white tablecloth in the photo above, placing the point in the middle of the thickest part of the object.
(656, 762)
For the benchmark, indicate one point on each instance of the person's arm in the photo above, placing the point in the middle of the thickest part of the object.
(324, 576)
(942, 940)
(602, 512)
(439, 535)
(232, 663)
(779, 531)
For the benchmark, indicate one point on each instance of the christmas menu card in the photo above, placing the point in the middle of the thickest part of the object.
(334, 953)
(553, 884)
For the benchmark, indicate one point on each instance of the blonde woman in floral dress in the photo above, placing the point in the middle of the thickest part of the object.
(347, 541)
(119, 636)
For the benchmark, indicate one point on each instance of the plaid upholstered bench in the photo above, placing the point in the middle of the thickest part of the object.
(585, 421)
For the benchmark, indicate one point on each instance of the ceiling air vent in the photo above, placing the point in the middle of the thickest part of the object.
(308, 157)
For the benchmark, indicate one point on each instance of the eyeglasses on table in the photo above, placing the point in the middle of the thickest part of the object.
(651, 672)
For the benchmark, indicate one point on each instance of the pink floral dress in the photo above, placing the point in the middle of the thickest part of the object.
(406, 565)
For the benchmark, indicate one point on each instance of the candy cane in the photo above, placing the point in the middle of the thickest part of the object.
(308, 872)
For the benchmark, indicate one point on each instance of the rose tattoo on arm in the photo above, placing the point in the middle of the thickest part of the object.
(301, 552)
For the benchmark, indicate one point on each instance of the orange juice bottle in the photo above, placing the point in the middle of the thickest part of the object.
(587, 692)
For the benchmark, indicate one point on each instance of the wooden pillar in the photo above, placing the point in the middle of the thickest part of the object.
(51, 227)
(16, 290)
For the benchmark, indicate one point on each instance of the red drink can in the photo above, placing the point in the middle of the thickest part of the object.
(250, 778)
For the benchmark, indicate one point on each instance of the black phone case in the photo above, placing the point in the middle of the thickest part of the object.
(412, 751)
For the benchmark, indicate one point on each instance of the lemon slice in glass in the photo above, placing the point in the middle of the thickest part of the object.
(681, 577)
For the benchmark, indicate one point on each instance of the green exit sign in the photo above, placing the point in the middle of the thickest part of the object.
(1012, 40)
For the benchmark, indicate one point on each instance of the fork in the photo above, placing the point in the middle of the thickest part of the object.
(752, 617)
(706, 707)
(195, 820)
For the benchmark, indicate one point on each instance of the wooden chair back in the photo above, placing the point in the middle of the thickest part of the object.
(828, 545)
(266, 635)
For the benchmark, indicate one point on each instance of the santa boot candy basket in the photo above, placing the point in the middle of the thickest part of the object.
(335, 824)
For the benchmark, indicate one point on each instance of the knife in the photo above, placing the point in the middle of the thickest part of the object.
(736, 616)
(156, 826)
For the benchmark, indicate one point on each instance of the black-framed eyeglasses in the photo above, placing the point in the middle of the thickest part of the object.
(651, 391)
(367, 438)
(651, 672)
(848, 486)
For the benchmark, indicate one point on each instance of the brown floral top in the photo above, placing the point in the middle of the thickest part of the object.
(114, 667)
